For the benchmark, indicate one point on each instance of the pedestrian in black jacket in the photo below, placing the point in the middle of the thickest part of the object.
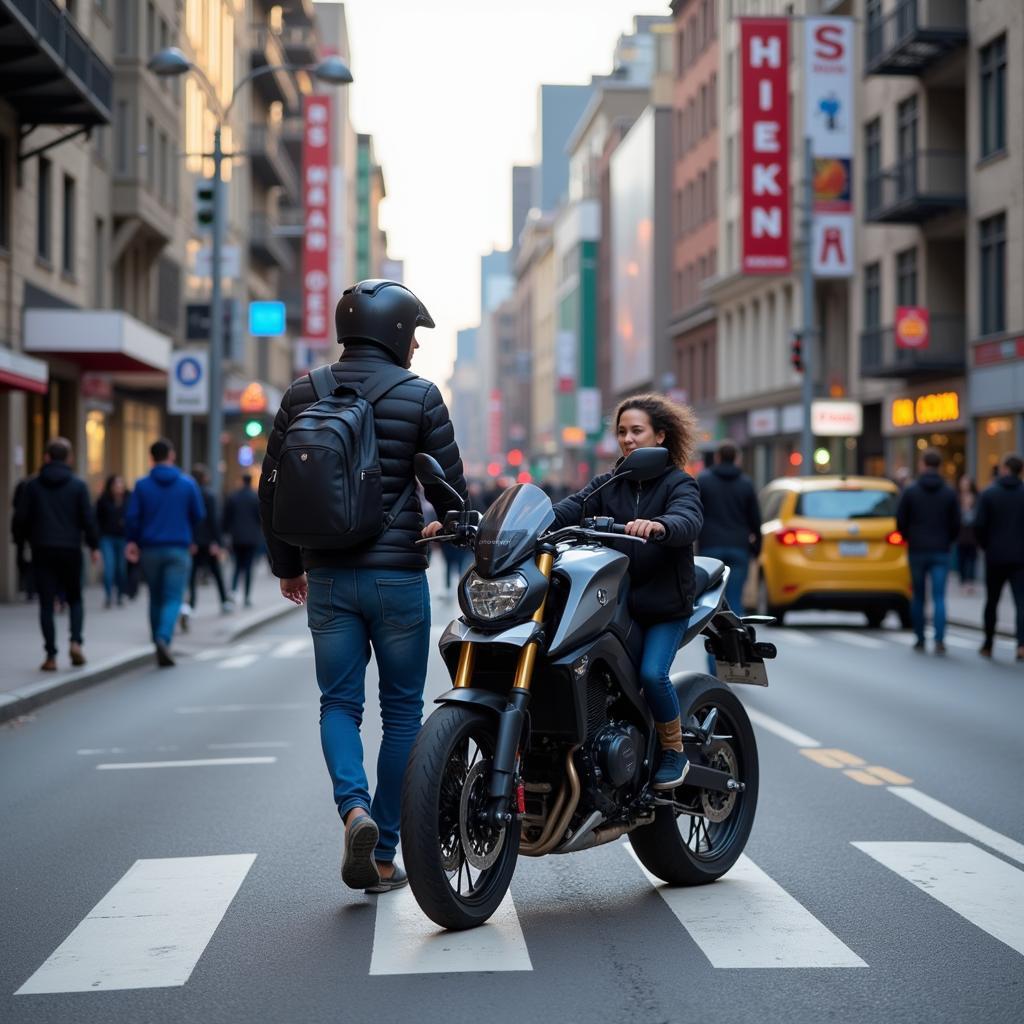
(999, 527)
(54, 513)
(242, 524)
(374, 595)
(206, 547)
(732, 520)
(928, 517)
(662, 580)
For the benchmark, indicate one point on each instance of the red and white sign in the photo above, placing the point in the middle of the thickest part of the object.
(316, 192)
(912, 327)
(764, 94)
(837, 419)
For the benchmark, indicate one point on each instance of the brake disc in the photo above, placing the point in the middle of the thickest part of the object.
(718, 806)
(481, 845)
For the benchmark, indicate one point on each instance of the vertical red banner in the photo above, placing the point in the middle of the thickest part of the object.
(316, 193)
(764, 98)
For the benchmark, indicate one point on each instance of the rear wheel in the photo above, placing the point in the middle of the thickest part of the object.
(693, 849)
(875, 617)
(459, 869)
(906, 622)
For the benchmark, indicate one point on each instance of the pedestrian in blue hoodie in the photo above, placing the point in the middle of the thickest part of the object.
(163, 511)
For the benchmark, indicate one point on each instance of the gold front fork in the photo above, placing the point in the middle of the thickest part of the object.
(528, 655)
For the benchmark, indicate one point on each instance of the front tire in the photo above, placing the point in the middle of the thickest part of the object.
(694, 850)
(445, 781)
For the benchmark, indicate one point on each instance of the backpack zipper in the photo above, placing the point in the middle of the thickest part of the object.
(273, 476)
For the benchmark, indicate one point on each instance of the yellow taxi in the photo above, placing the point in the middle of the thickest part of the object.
(830, 542)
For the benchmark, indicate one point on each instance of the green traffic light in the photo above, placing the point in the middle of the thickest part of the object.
(253, 428)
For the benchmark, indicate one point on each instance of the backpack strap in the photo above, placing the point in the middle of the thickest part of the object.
(377, 386)
(323, 380)
(400, 504)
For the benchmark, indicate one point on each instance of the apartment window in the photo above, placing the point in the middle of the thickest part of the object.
(679, 52)
(44, 204)
(872, 295)
(68, 232)
(150, 27)
(730, 162)
(713, 188)
(162, 169)
(906, 147)
(123, 27)
(992, 238)
(99, 263)
(122, 130)
(150, 152)
(703, 111)
(730, 78)
(873, 163)
(992, 66)
(906, 278)
(5, 194)
(714, 99)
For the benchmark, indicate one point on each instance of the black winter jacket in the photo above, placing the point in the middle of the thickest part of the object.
(409, 419)
(999, 524)
(207, 531)
(662, 582)
(242, 517)
(54, 510)
(732, 518)
(110, 515)
(928, 515)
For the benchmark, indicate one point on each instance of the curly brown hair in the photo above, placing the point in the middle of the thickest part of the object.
(678, 422)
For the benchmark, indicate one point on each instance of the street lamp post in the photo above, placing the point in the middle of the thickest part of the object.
(171, 62)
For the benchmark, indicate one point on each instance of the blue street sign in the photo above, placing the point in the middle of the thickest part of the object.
(266, 319)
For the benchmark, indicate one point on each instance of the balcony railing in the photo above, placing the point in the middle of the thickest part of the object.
(270, 162)
(917, 188)
(267, 49)
(300, 43)
(913, 36)
(60, 78)
(266, 245)
(945, 353)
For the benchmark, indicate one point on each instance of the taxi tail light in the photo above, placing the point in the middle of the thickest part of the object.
(896, 539)
(793, 537)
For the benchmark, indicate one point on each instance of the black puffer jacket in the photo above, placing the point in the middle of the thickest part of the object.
(929, 514)
(54, 510)
(999, 523)
(410, 418)
(662, 582)
(732, 518)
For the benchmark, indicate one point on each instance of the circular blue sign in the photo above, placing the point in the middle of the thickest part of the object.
(189, 371)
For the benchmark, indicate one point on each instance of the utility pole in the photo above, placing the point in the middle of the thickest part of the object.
(809, 345)
(215, 420)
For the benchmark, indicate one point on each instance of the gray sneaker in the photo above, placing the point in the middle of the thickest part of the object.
(397, 880)
(358, 868)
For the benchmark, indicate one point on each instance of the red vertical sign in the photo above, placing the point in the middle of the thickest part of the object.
(764, 95)
(316, 191)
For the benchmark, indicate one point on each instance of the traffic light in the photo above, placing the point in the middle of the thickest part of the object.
(204, 205)
(253, 428)
(796, 352)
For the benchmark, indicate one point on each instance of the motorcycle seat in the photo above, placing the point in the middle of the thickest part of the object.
(708, 573)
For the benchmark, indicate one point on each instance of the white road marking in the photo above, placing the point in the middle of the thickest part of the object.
(149, 931)
(202, 762)
(239, 661)
(787, 733)
(982, 888)
(855, 639)
(405, 941)
(212, 653)
(962, 642)
(968, 826)
(92, 751)
(211, 709)
(256, 745)
(746, 919)
(292, 648)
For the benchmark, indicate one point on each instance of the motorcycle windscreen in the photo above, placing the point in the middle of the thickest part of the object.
(508, 532)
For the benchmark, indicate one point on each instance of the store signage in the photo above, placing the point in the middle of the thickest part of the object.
(188, 391)
(912, 327)
(97, 386)
(989, 353)
(253, 398)
(764, 94)
(588, 409)
(573, 437)
(266, 319)
(828, 117)
(837, 419)
(762, 422)
(230, 262)
(565, 359)
(316, 191)
(942, 407)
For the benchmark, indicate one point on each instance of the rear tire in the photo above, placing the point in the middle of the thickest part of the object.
(681, 849)
(906, 622)
(875, 618)
(434, 821)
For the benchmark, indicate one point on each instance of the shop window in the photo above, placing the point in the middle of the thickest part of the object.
(906, 278)
(95, 447)
(992, 279)
(996, 438)
(992, 69)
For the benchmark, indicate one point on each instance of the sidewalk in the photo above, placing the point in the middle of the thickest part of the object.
(116, 640)
(963, 609)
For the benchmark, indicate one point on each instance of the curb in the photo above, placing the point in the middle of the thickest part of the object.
(977, 627)
(35, 695)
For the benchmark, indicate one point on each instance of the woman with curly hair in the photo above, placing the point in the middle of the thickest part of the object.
(662, 585)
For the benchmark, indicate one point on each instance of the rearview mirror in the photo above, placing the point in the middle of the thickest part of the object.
(428, 470)
(643, 464)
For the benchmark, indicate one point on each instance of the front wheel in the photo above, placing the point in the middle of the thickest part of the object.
(459, 869)
(693, 849)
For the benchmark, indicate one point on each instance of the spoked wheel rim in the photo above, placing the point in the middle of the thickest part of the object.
(470, 851)
(711, 830)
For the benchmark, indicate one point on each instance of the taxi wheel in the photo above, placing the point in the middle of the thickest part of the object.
(765, 607)
(875, 617)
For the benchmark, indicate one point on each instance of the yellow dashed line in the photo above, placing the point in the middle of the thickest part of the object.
(888, 775)
(831, 758)
(862, 776)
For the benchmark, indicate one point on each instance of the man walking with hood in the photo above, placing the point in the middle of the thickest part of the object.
(373, 594)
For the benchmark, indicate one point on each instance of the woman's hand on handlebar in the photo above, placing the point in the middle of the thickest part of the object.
(646, 529)
(431, 530)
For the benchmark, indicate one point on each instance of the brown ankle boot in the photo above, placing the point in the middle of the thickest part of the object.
(670, 734)
(77, 657)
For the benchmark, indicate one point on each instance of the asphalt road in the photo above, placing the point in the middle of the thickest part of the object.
(916, 759)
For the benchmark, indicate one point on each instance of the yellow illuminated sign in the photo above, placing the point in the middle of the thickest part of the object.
(943, 407)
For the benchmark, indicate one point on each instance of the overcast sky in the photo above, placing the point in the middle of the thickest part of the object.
(448, 89)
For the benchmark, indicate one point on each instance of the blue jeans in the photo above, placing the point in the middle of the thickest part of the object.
(661, 642)
(350, 610)
(738, 561)
(925, 564)
(166, 570)
(115, 568)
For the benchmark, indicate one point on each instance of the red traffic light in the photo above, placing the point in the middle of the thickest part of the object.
(515, 457)
(493, 468)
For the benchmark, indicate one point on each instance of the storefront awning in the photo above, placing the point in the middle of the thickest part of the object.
(99, 340)
(23, 373)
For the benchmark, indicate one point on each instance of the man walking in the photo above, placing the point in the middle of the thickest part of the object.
(928, 517)
(242, 524)
(373, 594)
(732, 520)
(54, 513)
(206, 547)
(999, 527)
(163, 512)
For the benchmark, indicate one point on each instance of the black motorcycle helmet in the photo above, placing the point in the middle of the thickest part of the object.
(385, 313)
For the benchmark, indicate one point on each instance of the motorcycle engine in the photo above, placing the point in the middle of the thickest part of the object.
(618, 751)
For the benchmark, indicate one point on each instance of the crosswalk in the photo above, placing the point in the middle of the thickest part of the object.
(151, 929)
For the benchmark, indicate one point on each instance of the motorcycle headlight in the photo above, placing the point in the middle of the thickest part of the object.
(493, 599)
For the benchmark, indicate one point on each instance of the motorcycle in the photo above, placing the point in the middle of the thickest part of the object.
(545, 743)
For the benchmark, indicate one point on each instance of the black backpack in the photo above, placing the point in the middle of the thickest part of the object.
(327, 485)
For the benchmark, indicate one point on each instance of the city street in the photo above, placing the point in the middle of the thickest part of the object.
(883, 881)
